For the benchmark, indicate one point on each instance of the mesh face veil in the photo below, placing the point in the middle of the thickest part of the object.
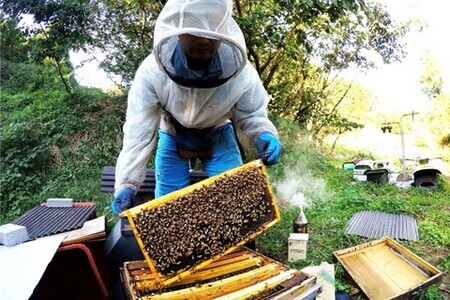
(198, 43)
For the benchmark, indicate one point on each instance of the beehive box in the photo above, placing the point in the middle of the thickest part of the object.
(186, 230)
(297, 246)
(242, 274)
(384, 269)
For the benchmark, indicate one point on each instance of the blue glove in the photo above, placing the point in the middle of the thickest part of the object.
(122, 201)
(268, 148)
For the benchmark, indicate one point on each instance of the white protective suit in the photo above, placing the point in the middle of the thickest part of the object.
(154, 95)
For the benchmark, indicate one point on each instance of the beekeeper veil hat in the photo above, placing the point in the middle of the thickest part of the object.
(211, 19)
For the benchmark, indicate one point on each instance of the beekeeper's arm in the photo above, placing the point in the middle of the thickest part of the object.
(140, 135)
(250, 115)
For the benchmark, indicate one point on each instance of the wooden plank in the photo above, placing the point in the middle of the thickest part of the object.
(203, 275)
(412, 258)
(143, 286)
(133, 265)
(360, 249)
(147, 282)
(295, 291)
(260, 287)
(227, 260)
(398, 270)
(210, 285)
(140, 268)
(166, 281)
(129, 292)
(369, 277)
(222, 287)
(144, 281)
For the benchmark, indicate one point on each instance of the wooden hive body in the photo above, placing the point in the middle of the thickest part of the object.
(384, 269)
(242, 274)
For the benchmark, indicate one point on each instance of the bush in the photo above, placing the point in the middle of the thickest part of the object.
(51, 140)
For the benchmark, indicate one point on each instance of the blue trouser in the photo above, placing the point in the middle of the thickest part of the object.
(172, 171)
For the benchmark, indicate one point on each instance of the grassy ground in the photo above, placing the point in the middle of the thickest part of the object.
(331, 197)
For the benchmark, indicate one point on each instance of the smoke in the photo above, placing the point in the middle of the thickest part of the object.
(298, 200)
(300, 188)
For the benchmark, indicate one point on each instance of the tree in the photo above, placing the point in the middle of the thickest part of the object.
(431, 80)
(300, 47)
(12, 41)
(432, 86)
(58, 27)
(124, 32)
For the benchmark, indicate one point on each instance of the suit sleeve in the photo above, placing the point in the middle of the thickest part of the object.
(250, 112)
(140, 129)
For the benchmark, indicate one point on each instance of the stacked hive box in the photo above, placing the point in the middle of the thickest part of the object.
(242, 274)
(297, 246)
(185, 231)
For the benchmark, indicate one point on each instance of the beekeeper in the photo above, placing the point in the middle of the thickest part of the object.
(186, 93)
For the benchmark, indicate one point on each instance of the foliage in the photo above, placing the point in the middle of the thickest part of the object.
(52, 143)
(431, 81)
(124, 32)
(58, 27)
(299, 49)
(22, 77)
(12, 41)
(432, 84)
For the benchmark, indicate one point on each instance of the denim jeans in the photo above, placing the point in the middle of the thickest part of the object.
(172, 171)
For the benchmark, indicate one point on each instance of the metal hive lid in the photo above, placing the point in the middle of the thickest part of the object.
(42, 220)
(372, 224)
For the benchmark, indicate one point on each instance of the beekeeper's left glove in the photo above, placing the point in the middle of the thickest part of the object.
(122, 200)
(268, 148)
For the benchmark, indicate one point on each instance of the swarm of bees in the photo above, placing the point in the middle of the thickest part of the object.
(205, 222)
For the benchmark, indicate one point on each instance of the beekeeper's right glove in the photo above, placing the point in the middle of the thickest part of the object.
(122, 200)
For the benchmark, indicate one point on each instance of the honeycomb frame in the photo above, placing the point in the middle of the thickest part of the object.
(188, 229)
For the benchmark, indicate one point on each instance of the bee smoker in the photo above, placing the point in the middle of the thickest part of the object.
(301, 224)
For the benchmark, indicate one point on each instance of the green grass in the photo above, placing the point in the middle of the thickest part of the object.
(329, 216)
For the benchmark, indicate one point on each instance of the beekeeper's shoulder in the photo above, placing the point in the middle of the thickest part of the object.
(249, 74)
(149, 68)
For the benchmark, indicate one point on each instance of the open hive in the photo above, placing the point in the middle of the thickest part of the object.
(186, 230)
(384, 269)
(242, 274)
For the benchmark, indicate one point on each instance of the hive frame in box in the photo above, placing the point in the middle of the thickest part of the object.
(172, 197)
(384, 269)
(238, 275)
